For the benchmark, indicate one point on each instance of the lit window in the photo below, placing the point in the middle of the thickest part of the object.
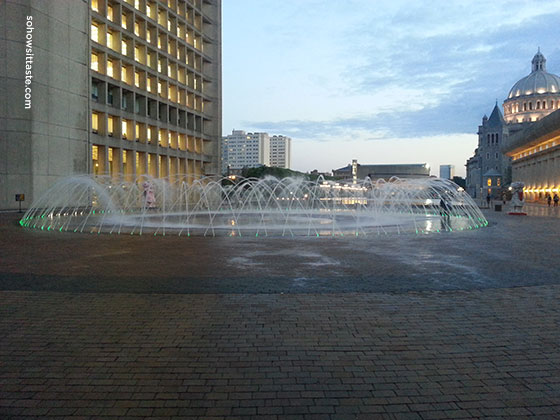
(149, 134)
(137, 4)
(110, 68)
(95, 5)
(159, 42)
(489, 182)
(499, 182)
(159, 65)
(124, 48)
(94, 61)
(124, 156)
(124, 75)
(124, 129)
(109, 12)
(148, 36)
(110, 157)
(169, 70)
(94, 152)
(137, 79)
(110, 125)
(137, 131)
(136, 29)
(137, 54)
(149, 9)
(110, 39)
(159, 87)
(123, 21)
(168, 25)
(95, 122)
(94, 32)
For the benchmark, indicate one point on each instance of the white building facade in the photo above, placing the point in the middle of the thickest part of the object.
(250, 150)
(280, 151)
(245, 150)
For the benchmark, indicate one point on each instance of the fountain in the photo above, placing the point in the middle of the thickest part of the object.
(214, 206)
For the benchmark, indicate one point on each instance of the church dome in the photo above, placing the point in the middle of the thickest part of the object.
(533, 97)
(538, 82)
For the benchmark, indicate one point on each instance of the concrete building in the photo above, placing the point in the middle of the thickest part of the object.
(535, 154)
(245, 150)
(281, 151)
(446, 171)
(356, 170)
(108, 87)
(529, 100)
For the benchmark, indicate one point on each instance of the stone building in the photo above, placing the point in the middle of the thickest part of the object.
(535, 154)
(382, 171)
(530, 99)
(127, 87)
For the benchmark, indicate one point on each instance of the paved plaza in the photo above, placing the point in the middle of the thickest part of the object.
(450, 325)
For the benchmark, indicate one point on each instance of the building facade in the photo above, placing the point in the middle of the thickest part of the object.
(281, 151)
(535, 154)
(529, 100)
(250, 150)
(356, 171)
(128, 87)
(245, 150)
(446, 171)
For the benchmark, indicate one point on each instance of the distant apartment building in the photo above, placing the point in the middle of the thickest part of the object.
(280, 151)
(446, 171)
(128, 87)
(250, 150)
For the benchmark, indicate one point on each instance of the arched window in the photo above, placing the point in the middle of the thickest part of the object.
(538, 104)
(530, 106)
(524, 106)
(497, 137)
(543, 104)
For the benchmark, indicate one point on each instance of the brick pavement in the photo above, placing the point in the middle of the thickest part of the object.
(492, 353)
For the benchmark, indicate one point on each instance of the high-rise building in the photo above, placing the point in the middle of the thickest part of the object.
(111, 87)
(245, 150)
(280, 151)
(446, 171)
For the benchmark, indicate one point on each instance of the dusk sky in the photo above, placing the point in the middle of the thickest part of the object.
(378, 81)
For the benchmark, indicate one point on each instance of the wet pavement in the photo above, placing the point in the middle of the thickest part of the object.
(449, 325)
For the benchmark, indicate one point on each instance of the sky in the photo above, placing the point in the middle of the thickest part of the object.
(379, 81)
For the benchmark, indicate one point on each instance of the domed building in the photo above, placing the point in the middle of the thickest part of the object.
(533, 97)
(530, 99)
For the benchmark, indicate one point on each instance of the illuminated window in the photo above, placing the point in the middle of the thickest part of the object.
(94, 32)
(168, 25)
(169, 70)
(95, 5)
(95, 122)
(137, 79)
(110, 157)
(94, 152)
(124, 156)
(124, 75)
(110, 130)
(149, 9)
(148, 36)
(110, 68)
(159, 42)
(137, 131)
(123, 21)
(136, 28)
(137, 53)
(124, 48)
(159, 88)
(94, 61)
(110, 39)
(149, 134)
(499, 182)
(110, 12)
(489, 182)
(159, 65)
(124, 129)
(137, 4)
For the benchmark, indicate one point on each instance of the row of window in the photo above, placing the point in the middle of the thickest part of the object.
(174, 20)
(530, 106)
(113, 126)
(492, 138)
(147, 82)
(536, 149)
(126, 45)
(116, 161)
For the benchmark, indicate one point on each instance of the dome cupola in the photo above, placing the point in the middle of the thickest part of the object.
(533, 96)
